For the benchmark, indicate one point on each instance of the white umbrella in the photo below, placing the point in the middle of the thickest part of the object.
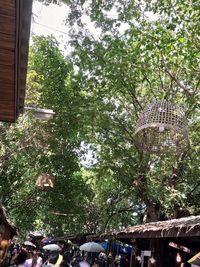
(52, 247)
(30, 244)
(91, 247)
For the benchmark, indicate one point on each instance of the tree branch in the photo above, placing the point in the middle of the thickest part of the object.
(173, 77)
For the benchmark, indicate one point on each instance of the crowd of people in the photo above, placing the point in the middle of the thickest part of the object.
(21, 255)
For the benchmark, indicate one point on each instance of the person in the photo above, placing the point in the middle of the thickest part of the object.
(102, 259)
(96, 263)
(55, 259)
(124, 261)
(66, 260)
(81, 262)
(117, 260)
(33, 260)
(21, 258)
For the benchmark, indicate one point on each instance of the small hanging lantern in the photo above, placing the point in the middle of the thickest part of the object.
(44, 181)
(162, 128)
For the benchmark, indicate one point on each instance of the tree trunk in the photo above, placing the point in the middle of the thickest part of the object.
(152, 212)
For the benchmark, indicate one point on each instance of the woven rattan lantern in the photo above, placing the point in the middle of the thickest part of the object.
(44, 181)
(162, 129)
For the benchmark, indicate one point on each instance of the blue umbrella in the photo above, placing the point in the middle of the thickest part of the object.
(47, 241)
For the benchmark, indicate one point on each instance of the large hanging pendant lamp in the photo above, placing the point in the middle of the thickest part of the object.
(162, 129)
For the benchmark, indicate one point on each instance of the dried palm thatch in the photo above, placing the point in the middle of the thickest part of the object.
(162, 128)
(44, 181)
(183, 227)
(188, 226)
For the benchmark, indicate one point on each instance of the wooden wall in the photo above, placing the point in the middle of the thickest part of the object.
(7, 59)
(15, 19)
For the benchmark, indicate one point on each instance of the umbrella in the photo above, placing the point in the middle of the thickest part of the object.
(29, 244)
(36, 234)
(91, 247)
(52, 247)
(46, 241)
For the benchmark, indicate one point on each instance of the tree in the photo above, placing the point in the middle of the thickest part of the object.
(31, 147)
(121, 73)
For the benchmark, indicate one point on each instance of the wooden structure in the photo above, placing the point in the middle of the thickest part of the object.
(161, 244)
(15, 20)
(7, 231)
(162, 128)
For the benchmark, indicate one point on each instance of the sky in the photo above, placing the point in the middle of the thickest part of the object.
(47, 20)
(50, 20)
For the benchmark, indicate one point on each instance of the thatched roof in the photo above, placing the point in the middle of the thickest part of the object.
(188, 226)
(183, 227)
